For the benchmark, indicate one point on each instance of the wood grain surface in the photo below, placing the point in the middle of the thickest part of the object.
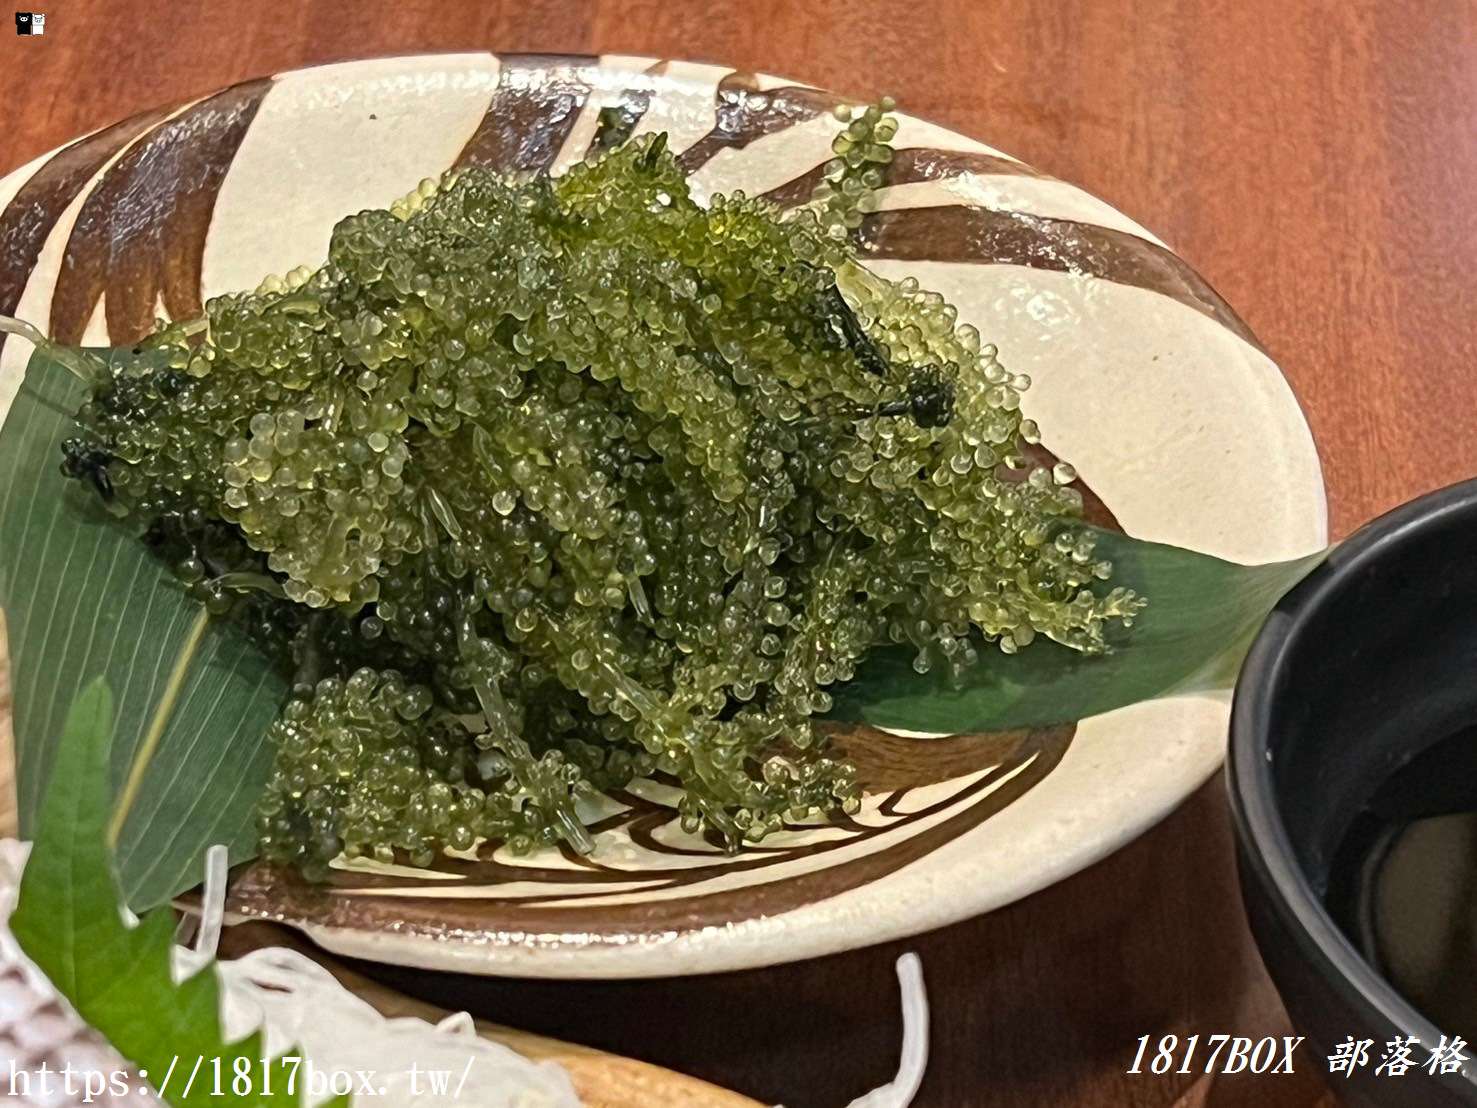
(1312, 158)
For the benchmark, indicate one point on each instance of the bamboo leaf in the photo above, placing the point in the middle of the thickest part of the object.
(119, 979)
(84, 598)
(1202, 613)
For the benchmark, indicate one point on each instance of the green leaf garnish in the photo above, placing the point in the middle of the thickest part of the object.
(118, 979)
(84, 597)
(1191, 637)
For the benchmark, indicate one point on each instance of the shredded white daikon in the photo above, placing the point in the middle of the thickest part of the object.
(301, 1007)
(190, 961)
(13, 857)
(899, 1092)
(298, 1004)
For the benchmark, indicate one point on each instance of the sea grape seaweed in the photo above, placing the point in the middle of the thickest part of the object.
(537, 485)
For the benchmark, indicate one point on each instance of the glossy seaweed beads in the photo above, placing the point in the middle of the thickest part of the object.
(538, 485)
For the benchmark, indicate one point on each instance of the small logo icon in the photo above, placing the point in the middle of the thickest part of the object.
(30, 23)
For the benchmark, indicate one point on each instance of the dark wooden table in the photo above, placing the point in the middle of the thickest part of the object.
(1315, 160)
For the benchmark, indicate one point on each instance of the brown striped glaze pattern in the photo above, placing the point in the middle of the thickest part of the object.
(34, 210)
(138, 241)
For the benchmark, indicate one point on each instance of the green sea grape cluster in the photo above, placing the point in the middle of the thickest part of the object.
(538, 485)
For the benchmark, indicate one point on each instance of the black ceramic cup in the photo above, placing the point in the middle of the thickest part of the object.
(1366, 666)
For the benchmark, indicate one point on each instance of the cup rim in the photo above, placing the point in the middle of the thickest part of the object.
(1267, 851)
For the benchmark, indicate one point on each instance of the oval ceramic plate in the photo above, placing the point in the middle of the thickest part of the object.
(1143, 377)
